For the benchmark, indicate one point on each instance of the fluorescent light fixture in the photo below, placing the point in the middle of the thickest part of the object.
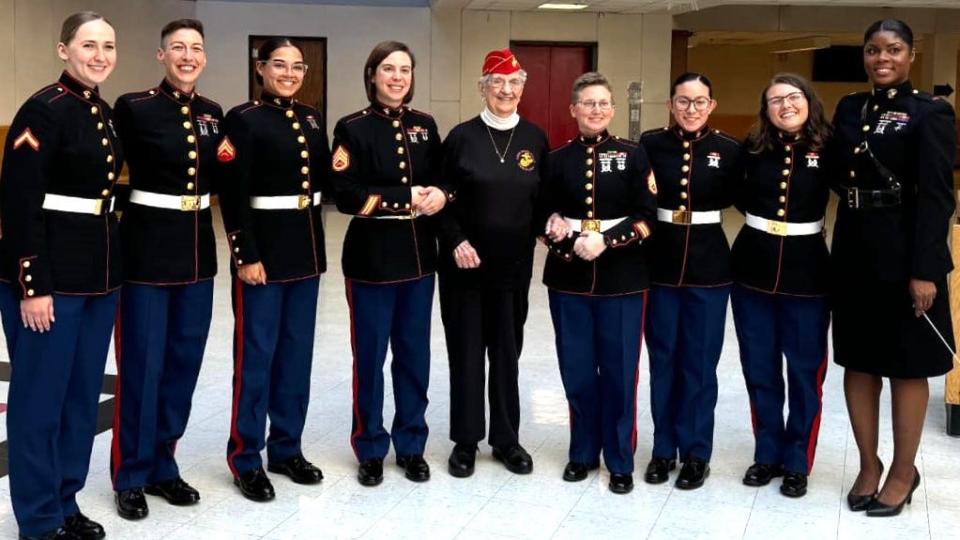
(799, 45)
(562, 6)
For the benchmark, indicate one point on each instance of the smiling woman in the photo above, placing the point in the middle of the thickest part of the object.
(780, 267)
(59, 298)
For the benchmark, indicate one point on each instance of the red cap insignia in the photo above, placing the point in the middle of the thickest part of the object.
(502, 62)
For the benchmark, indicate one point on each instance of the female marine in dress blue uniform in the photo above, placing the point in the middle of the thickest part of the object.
(62, 262)
(170, 135)
(386, 159)
(698, 170)
(600, 193)
(896, 147)
(780, 266)
(274, 157)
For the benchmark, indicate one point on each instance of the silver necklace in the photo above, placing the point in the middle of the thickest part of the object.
(500, 155)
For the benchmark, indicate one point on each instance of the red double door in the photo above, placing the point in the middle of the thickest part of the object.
(551, 70)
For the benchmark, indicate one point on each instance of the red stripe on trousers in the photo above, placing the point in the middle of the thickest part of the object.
(636, 377)
(356, 379)
(116, 457)
(237, 374)
(815, 428)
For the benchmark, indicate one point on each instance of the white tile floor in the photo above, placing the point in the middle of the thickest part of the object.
(493, 503)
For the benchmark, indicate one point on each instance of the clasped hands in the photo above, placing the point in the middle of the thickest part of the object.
(588, 245)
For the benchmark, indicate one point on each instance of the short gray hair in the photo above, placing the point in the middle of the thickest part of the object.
(590, 78)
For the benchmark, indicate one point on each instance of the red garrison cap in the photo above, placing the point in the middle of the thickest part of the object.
(502, 61)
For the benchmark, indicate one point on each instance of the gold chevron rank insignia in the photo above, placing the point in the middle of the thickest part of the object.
(27, 138)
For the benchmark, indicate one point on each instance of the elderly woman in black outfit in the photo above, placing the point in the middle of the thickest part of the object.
(890, 255)
(486, 258)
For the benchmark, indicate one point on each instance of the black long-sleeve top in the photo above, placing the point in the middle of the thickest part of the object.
(494, 202)
(170, 139)
(274, 147)
(62, 141)
(789, 183)
(696, 172)
(601, 178)
(913, 135)
(379, 153)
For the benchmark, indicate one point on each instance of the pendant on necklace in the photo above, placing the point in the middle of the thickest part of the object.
(501, 160)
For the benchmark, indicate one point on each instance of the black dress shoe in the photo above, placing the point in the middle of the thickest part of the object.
(131, 504)
(176, 492)
(859, 503)
(255, 485)
(59, 534)
(794, 485)
(83, 527)
(878, 509)
(760, 474)
(621, 484)
(575, 472)
(415, 468)
(658, 470)
(514, 458)
(692, 474)
(298, 469)
(462, 460)
(370, 472)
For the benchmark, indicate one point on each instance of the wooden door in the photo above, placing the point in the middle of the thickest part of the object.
(551, 69)
(314, 89)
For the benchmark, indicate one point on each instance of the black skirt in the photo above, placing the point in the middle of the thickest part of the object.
(875, 331)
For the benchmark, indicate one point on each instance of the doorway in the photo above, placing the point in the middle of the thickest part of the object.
(551, 69)
(314, 90)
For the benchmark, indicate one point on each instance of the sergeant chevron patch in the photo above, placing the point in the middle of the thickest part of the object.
(341, 159)
(226, 152)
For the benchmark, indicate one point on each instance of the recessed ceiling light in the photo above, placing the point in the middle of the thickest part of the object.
(562, 6)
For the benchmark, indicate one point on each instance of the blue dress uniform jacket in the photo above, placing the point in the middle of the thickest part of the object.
(882, 241)
(695, 172)
(909, 240)
(62, 141)
(601, 178)
(378, 154)
(170, 140)
(788, 183)
(274, 147)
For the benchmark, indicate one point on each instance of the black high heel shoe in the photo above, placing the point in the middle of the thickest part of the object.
(878, 509)
(859, 503)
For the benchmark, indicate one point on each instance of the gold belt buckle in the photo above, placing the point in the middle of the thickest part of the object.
(303, 202)
(681, 217)
(590, 225)
(189, 203)
(98, 207)
(778, 228)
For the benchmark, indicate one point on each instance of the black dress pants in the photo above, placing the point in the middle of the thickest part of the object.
(479, 322)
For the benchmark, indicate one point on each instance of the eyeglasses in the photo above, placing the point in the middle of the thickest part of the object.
(699, 104)
(497, 83)
(279, 65)
(793, 98)
(591, 104)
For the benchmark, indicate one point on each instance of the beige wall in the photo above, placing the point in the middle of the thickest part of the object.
(29, 30)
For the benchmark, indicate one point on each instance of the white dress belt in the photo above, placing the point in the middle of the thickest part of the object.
(783, 228)
(186, 203)
(285, 202)
(688, 217)
(79, 205)
(597, 225)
